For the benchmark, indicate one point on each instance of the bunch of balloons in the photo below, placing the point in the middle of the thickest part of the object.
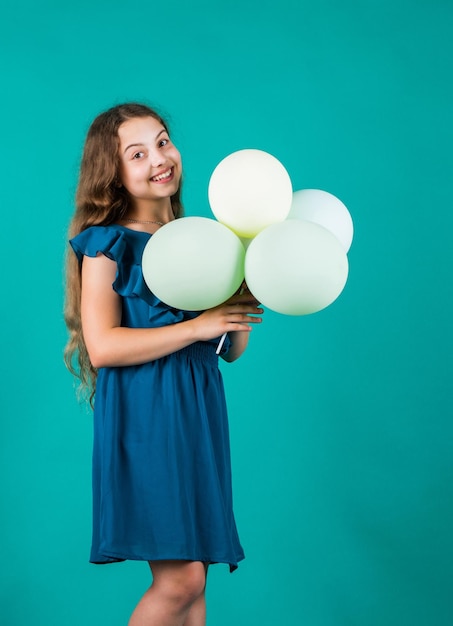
(291, 248)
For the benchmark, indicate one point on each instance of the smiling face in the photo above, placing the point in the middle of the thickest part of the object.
(150, 165)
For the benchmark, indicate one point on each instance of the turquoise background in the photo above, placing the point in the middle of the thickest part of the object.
(341, 422)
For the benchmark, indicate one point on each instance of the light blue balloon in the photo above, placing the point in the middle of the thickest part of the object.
(325, 209)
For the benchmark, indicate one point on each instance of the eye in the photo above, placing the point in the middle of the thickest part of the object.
(163, 142)
(138, 155)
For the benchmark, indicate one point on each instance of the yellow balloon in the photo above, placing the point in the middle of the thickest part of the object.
(249, 190)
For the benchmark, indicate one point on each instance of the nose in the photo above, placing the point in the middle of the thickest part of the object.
(156, 158)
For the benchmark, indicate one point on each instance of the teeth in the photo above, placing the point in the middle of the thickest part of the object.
(166, 174)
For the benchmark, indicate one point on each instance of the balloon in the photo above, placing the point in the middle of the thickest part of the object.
(249, 190)
(246, 241)
(296, 267)
(325, 209)
(193, 263)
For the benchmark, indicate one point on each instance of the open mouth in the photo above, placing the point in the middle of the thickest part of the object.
(162, 177)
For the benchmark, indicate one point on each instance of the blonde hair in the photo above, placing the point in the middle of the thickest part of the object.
(99, 201)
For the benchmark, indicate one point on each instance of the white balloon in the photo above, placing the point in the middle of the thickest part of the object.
(323, 208)
(193, 263)
(296, 267)
(249, 190)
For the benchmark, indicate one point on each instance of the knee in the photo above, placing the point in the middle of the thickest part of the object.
(185, 584)
(192, 584)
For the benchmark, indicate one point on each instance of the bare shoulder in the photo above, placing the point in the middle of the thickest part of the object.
(98, 270)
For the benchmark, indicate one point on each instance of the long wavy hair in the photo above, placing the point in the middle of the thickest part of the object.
(99, 201)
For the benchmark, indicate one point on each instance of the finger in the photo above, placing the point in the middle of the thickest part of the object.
(242, 298)
(244, 318)
(249, 297)
(249, 309)
(246, 305)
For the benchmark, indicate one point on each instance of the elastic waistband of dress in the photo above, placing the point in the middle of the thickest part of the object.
(202, 350)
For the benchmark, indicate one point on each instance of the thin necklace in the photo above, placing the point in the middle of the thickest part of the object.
(143, 222)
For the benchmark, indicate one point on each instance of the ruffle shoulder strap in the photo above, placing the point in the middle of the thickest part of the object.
(107, 240)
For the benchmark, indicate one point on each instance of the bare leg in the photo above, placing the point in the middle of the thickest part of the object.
(197, 612)
(177, 587)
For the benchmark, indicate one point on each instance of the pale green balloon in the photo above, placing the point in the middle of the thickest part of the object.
(193, 263)
(296, 267)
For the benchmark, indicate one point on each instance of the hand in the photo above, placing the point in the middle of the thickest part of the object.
(238, 313)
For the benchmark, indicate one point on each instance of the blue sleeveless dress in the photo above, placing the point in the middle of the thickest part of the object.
(161, 456)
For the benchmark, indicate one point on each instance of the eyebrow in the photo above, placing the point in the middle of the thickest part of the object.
(136, 145)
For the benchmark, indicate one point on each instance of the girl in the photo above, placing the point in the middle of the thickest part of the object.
(161, 459)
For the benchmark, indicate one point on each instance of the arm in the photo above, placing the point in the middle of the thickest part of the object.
(240, 338)
(239, 341)
(110, 344)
